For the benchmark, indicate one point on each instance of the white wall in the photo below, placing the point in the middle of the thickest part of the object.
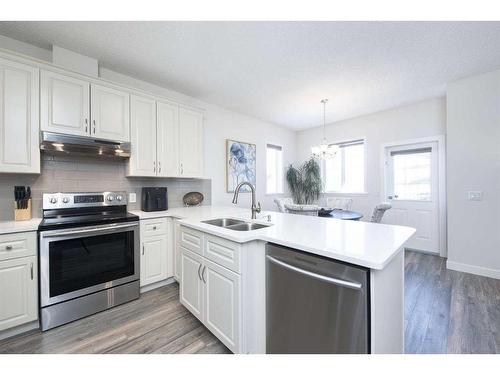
(424, 119)
(473, 163)
(220, 124)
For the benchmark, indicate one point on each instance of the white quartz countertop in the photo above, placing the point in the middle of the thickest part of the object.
(7, 227)
(365, 244)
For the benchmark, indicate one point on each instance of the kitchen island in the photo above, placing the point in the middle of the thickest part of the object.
(223, 271)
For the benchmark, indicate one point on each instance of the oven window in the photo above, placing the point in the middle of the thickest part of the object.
(83, 262)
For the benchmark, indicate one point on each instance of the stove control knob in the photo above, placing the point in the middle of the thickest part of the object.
(110, 198)
(119, 198)
(53, 200)
(65, 200)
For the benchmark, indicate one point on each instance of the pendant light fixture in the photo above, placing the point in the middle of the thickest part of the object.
(324, 150)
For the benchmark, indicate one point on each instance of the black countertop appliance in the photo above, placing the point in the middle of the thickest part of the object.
(154, 199)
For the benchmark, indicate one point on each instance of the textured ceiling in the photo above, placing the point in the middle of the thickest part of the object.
(279, 71)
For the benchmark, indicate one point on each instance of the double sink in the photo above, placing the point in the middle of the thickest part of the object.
(235, 224)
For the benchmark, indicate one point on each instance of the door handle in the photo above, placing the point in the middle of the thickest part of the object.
(199, 272)
(203, 274)
(330, 280)
(159, 167)
(154, 167)
(31, 270)
(86, 125)
(93, 122)
(142, 249)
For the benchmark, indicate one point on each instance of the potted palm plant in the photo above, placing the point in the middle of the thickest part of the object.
(305, 182)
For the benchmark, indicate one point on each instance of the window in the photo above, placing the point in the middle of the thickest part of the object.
(274, 169)
(412, 174)
(345, 173)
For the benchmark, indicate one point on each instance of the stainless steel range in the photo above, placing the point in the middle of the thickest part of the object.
(89, 255)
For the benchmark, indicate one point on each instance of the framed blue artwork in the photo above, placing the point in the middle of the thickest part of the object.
(240, 164)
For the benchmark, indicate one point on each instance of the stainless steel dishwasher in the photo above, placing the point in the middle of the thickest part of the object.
(315, 304)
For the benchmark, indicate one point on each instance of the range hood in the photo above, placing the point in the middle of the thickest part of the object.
(55, 143)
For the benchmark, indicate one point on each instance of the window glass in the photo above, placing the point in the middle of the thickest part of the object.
(345, 173)
(412, 175)
(274, 169)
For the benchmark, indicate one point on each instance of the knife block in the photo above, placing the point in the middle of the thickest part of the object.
(22, 214)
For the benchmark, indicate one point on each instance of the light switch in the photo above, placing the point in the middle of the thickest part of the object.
(475, 195)
(132, 198)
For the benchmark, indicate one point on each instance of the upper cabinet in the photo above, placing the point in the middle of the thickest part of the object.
(19, 139)
(190, 142)
(110, 113)
(64, 104)
(143, 137)
(77, 107)
(173, 147)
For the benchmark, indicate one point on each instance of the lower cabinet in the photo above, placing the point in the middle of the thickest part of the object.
(156, 249)
(18, 280)
(212, 294)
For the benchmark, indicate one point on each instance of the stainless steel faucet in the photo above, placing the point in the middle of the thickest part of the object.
(255, 208)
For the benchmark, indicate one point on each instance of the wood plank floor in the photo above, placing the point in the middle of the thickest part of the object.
(445, 312)
(448, 311)
(155, 323)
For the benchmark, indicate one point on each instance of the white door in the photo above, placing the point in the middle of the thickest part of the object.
(190, 142)
(19, 140)
(222, 304)
(19, 292)
(412, 187)
(168, 139)
(192, 286)
(142, 136)
(110, 113)
(64, 104)
(153, 259)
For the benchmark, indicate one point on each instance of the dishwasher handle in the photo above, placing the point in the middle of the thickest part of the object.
(330, 280)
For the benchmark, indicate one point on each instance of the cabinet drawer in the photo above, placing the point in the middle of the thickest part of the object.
(223, 252)
(17, 245)
(153, 227)
(191, 239)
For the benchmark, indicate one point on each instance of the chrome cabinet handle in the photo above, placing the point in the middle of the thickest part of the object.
(8, 247)
(31, 270)
(142, 249)
(93, 122)
(316, 276)
(182, 168)
(159, 167)
(154, 167)
(199, 272)
(203, 274)
(86, 125)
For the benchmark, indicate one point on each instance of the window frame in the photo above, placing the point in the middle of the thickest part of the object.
(365, 174)
(282, 176)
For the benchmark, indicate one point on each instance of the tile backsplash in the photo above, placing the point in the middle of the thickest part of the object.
(74, 174)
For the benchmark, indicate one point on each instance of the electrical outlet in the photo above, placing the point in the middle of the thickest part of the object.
(475, 195)
(132, 198)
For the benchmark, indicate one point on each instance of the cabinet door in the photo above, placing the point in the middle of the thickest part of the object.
(19, 141)
(190, 142)
(168, 139)
(143, 136)
(191, 284)
(64, 104)
(18, 278)
(110, 113)
(153, 259)
(222, 304)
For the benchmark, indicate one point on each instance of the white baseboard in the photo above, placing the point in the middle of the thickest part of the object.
(159, 284)
(476, 270)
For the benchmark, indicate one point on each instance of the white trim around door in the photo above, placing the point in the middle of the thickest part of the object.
(441, 156)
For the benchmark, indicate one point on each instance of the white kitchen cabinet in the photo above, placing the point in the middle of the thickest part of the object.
(192, 286)
(143, 136)
(18, 294)
(190, 142)
(110, 113)
(19, 139)
(167, 143)
(153, 259)
(222, 303)
(64, 104)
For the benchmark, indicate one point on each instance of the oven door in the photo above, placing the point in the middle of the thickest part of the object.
(79, 261)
